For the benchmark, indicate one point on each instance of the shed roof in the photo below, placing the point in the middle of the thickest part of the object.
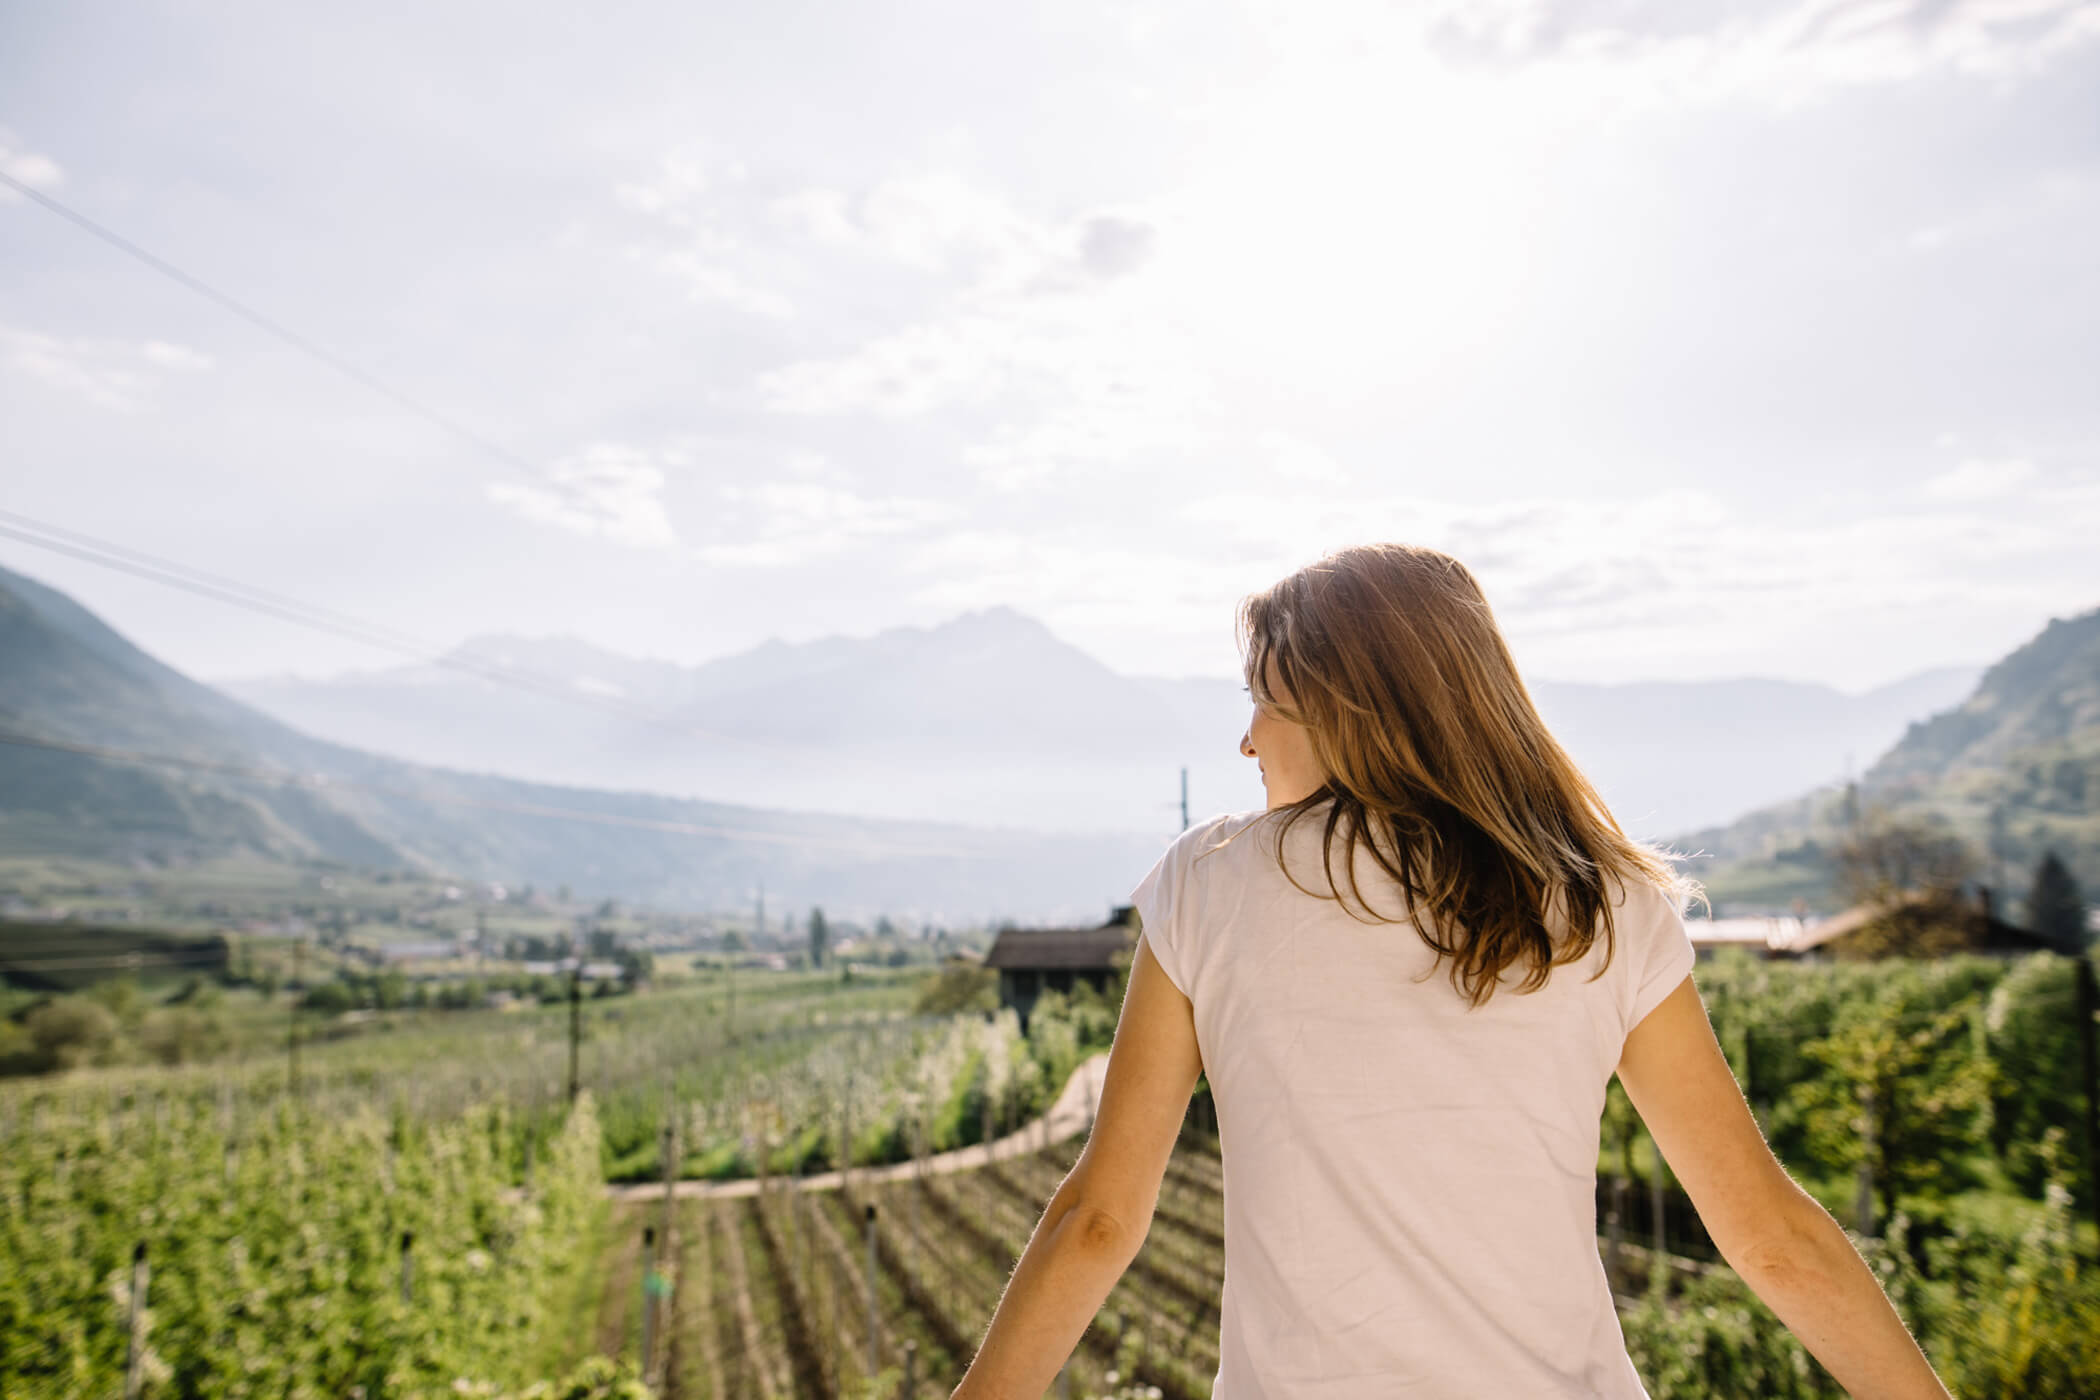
(1060, 948)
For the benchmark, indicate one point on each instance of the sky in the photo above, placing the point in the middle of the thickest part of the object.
(1717, 340)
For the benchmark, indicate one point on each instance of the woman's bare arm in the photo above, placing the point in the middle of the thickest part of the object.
(1099, 1216)
(1775, 1235)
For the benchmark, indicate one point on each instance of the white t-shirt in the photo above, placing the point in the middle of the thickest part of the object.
(1410, 1185)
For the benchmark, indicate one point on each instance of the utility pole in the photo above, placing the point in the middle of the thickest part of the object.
(291, 1018)
(575, 1030)
(1184, 797)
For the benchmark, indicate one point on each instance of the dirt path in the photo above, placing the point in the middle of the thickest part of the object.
(1071, 1115)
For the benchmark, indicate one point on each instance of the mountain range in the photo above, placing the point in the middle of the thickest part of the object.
(227, 779)
(989, 721)
(991, 718)
(2013, 769)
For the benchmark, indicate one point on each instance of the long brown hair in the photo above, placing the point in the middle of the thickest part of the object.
(1439, 764)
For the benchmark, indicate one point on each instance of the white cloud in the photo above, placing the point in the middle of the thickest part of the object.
(115, 375)
(169, 355)
(1044, 329)
(693, 210)
(1981, 480)
(1786, 54)
(774, 524)
(30, 167)
(904, 374)
(678, 181)
(708, 278)
(933, 221)
(607, 490)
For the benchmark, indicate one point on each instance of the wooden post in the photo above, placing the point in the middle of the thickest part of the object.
(846, 1148)
(1863, 1205)
(1615, 1228)
(135, 1352)
(408, 1269)
(1658, 1205)
(838, 1333)
(670, 1166)
(648, 1296)
(2089, 1067)
(917, 1184)
(910, 1389)
(874, 1299)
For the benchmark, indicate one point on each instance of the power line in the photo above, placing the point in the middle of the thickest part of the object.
(280, 331)
(92, 549)
(327, 782)
(103, 552)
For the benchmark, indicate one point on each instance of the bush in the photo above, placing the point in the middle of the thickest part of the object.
(68, 1032)
(2033, 1030)
(176, 1035)
(2006, 1319)
(960, 987)
(1716, 1338)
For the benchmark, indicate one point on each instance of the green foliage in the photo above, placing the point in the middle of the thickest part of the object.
(1903, 1094)
(883, 1385)
(599, 1378)
(959, 1118)
(2055, 908)
(68, 1032)
(960, 987)
(275, 1252)
(1714, 1339)
(178, 1035)
(2033, 1037)
(2003, 1319)
(1063, 1030)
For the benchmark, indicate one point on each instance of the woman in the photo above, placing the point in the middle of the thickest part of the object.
(1409, 981)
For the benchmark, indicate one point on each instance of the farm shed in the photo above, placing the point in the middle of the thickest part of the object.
(1031, 961)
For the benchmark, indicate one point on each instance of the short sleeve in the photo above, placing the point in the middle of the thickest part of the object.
(1653, 938)
(1158, 899)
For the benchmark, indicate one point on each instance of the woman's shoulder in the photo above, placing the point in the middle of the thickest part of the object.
(1221, 832)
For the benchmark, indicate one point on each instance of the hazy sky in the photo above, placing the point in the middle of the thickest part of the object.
(1718, 339)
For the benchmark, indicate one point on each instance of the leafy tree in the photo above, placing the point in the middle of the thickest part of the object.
(1890, 858)
(1903, 1093)
(819, 937)
(177, 1035)
(959, 987)
(1910, 870)
(2055, 906)
(68, 1032)
(331, 998)
(2033, 1037)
